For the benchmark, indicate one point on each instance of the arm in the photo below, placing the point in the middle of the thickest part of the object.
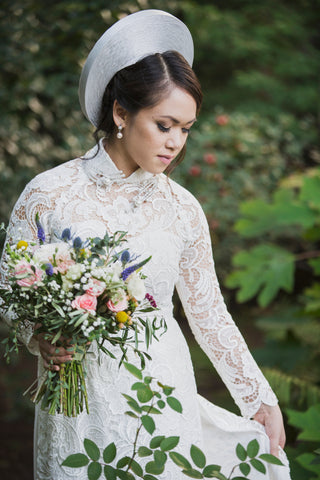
(217, 333)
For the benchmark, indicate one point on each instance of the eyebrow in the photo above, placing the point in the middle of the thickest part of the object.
(177, 121)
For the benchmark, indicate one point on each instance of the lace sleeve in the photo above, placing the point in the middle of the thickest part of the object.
(22, 226)
(212, 325)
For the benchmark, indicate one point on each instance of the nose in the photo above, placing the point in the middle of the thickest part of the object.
(175, 140)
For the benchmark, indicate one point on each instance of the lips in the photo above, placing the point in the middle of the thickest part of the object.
(166, 159)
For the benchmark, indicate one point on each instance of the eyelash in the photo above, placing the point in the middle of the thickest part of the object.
(162, 128)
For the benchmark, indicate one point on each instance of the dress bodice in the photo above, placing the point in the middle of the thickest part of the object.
(162, 219)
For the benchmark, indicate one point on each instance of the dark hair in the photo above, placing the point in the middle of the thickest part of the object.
(143, 85)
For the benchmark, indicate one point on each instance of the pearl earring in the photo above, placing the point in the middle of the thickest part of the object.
(119, 134)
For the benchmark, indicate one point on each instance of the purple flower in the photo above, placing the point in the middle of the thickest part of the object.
(127, 271)
(151, 300)
(49, 269)
(40, 231)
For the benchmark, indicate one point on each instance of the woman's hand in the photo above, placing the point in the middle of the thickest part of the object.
(271, 418)
(53, 355)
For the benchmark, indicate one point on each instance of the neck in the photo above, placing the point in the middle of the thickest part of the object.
(118, 155)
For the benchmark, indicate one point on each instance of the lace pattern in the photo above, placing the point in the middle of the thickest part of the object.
(90, 195)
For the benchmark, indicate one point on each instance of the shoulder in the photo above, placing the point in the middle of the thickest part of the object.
(188, 209)
(182, 196)
(55, 178)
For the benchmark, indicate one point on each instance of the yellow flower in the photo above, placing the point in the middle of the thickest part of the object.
(122, 317)
(23, 245)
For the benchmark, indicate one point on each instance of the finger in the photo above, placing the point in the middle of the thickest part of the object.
(50, 366)
(282, 441)
(274, 446)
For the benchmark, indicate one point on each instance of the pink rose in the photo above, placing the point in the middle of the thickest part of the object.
(96, 287)
(63, 265)
(85, 302)
(24, 268)
(118, 306)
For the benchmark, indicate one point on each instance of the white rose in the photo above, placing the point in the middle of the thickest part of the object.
(136, 287)
(45, 253)
(66, 284)
(74, 272)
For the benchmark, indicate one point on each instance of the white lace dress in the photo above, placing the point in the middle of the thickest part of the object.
(163, 220)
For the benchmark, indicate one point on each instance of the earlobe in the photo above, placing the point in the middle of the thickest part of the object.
(119, 114)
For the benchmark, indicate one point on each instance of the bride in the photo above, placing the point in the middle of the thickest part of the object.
(138, 89)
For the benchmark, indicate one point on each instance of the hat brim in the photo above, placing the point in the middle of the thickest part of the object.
(126, 42)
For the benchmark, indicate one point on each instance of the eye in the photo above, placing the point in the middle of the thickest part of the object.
(162, 128)
(186, 130)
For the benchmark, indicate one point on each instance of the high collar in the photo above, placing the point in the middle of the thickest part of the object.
(101, 169)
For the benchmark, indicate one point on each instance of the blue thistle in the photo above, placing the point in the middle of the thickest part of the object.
(40, 230)
(77, 243)
(49, 269)
(125, 256)
(66, 235)
(129, 270)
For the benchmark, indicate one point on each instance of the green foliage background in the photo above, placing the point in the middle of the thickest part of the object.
(254, 148)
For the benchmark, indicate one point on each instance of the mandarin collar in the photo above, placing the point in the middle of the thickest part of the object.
(101, 169)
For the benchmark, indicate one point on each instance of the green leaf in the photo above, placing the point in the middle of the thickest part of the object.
(131, 414)
(151, 410)
(109, 453)
(133, 370)
(138, 385)
(155, 441)
(307, 462)
(148, 424)
(136, 468)
(191, 472)
(211, 470)
(125, 475)
(110, 473)
(145, 394)
(132, 403)
(153, 467)
(161, 404)
(307, 421)
(241, 452)
(267, 457)
(180, 460)
(94, 471)
(310, 192)
(245, 468)
(174, 404)
(160, 457)
(167, 390)
(263, 270)
(253, 448)
(259, 217)
(169, 443)
(149, 477)
(258, 465)
(122, 462)
(144, 452)
(76, 460)
(92, 449)
(197, 456)
(147, 380)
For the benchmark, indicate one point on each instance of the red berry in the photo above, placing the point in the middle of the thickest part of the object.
(210, 158)
(222, 120)
(195, 171)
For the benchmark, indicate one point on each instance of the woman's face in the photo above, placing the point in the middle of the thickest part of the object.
(154, 136)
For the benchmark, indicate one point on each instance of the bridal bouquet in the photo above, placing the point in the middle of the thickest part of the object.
(75, 292)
